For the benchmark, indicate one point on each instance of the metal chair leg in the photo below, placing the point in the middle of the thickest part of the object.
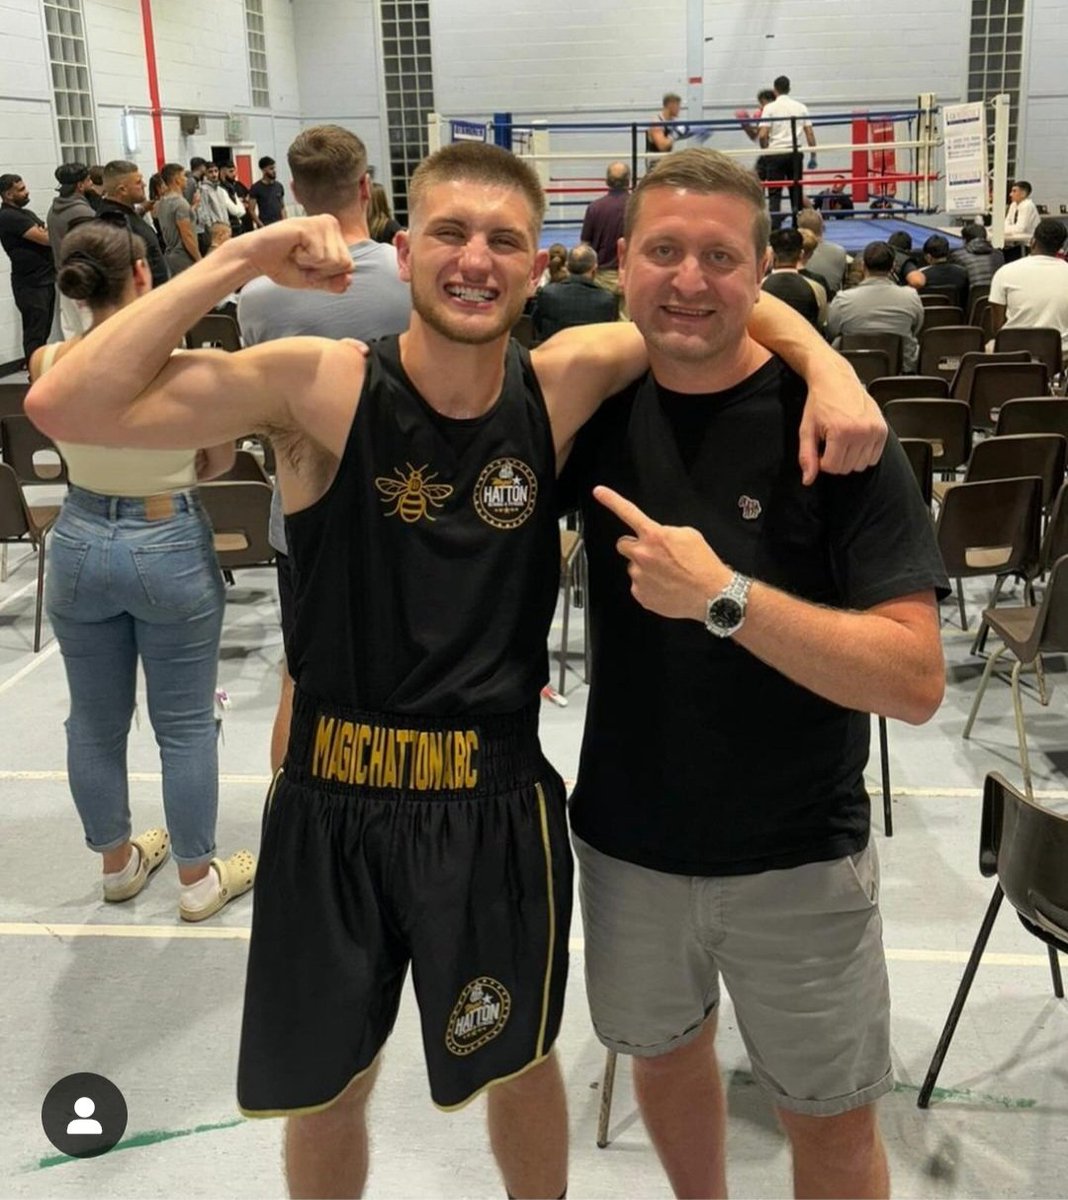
(1021, 732)
(1055, 971)
(567, 621)
(40, 593)
(1043, 690)
(884, 761)
(608, 1083)
(979, 644)
(924, 1097)
(960, 602)
(988, 670)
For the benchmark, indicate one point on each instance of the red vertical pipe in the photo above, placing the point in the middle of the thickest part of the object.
(153, 81)
(860, 157)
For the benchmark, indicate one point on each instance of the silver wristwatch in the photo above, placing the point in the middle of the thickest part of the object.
(725, 613)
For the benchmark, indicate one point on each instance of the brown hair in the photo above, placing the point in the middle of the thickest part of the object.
(706, 172)
(478, 163)
(328, 163)
(379, 214)
(96, 262)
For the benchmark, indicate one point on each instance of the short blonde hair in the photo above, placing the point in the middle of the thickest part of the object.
(809, 241)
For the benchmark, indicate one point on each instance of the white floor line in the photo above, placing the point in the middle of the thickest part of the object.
(576, 944)
(38, 660)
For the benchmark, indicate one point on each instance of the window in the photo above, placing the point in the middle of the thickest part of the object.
(69, 61)
(256, 39)
(409, 80)
(995, 58)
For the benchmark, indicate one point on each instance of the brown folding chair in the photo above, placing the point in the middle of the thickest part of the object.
(240, 514)
(977, 306)
(942, 348)
(1026, 847)
(932, 297)
(919, 453)
(945, 424)
(907, 387)
(1033, 414)
(1015, 456)
(214, 330)
(942, 314)
(994, 383)
(868, 364)
(13, 399)
(33, 456)
(990, 528)
(246, 468)
(1044, 346)
(961, 385)
(21, 523)
(892, 343)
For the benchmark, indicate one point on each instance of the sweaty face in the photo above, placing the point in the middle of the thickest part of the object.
(690, 272)
(472, 260)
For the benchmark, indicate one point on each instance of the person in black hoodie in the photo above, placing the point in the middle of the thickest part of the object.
(124, 189)
(977, 256)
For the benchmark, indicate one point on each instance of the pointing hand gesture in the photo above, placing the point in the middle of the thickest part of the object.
(673, 570)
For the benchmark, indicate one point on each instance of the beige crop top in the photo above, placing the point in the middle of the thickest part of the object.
(122, 471)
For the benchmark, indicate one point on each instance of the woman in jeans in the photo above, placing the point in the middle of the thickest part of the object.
(132, 575)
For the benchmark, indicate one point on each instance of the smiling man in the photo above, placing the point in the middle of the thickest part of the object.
(415, 819)
(721, 820)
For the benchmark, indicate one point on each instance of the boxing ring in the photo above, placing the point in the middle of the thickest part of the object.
(885, 160)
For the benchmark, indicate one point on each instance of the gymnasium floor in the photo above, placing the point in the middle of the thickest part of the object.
(127, 992)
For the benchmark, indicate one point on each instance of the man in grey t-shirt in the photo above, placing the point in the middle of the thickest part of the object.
(329, 166)
(175, 216)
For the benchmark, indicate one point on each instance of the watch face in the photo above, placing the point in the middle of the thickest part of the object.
(724, 614)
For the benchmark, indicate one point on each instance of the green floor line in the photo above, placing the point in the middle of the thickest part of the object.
(961, 1095)
(151, 1137)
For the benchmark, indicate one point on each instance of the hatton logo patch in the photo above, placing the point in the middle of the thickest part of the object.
(750, 508)
(414, 494)
(479, 1016)
(506, 493)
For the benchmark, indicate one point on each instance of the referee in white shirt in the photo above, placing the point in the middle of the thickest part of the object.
(778, 133)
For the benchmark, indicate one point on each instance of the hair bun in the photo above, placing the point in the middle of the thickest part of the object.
(81, 277)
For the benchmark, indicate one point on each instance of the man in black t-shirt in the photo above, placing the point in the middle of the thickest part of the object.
(267, 195)
(722, 824)
(940, 273)
(33, 275)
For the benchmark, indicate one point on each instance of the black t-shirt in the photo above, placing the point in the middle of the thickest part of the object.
(31, 264)
(949, 277)
(791, 289)
(698, 758)
(426, 577)
(269, 199)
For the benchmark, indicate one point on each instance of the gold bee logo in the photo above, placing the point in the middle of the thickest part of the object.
(412, 494)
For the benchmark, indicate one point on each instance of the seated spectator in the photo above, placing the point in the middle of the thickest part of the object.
(577, 300)
(556, 271)
(878, 305)
(828, 260)
(809, 245)
(784, 280)
(977, 256)
(940, 272)
(834, 200)
(906, 260)
(1033, 291)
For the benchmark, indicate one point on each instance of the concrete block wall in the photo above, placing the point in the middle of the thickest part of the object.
(1041, 155)
(203, 68)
